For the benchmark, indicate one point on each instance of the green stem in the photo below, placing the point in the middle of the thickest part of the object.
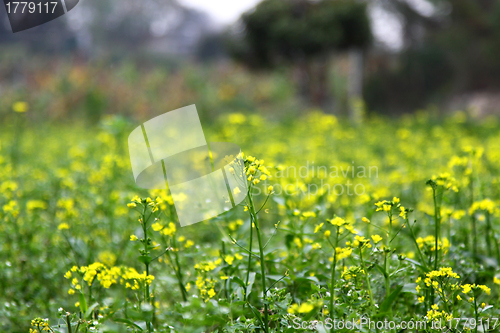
(372, 302)
(488, 234)
(249, 257)
(334, 266)
(146, 252)
(437, 223)
(179, 272)
(475, 312)
(473, 219)
(262, 263)
(68, 323)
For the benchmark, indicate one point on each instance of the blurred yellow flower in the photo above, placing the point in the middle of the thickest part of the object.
(63, 226)
(20, 107)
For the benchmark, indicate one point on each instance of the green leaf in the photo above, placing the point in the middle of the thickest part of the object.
(89, 310)
(145, 259)
(387, 303)
(381, 270)
(83, 303)
(238, 281)
(251, 280)
(410, 288)
(128, 322)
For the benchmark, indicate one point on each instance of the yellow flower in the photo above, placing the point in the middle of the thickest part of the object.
(211, 292)
(270, 188)
(133, 238)
(229, 259)
(338, 221)
(156, 226)
(20, 107)
(466, 288)
(63, 226)
(305, 308)
(376, 238)
(236, 190)
(364, 219)
(188, 244)
(318, 227)
(293, 308)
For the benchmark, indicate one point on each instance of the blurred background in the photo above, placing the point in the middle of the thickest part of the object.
(277, 57)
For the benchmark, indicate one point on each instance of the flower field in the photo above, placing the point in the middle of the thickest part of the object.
(390, 219)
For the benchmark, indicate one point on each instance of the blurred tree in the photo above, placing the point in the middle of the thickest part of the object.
(450, 49)
(303, 33)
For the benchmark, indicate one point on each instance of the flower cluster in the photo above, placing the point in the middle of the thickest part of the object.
(106, 276)
(428, 244)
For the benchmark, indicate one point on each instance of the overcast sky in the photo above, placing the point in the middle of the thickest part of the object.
(222, 11)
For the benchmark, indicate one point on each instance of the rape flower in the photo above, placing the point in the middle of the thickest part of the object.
(156, 226)
(229, 259)
(305, 308)
(63, 226)
(318, 227)
(133, 238)
(20, 107)
(376, 238)
(338, 221)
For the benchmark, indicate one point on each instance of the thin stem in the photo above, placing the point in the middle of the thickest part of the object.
(387, 258)
(475, 312)
(262, 264)
(488, 234)
(179, 272)
(334, 267)
(473, 219)
(372, 302)
(249, 255)
(416, 244)
(437, 223)
(146, 252)
(68, 323)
